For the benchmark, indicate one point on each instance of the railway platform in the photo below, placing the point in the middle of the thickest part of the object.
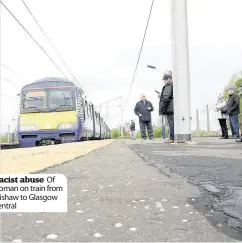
(127, 191)
(35, 159)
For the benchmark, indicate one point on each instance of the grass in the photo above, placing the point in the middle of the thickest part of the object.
(157, 131)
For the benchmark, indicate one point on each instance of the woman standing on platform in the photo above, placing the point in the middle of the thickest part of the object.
(221, 108)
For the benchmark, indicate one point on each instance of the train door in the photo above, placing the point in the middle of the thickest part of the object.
(94, 121)
(97, 134)
(100, 122)
(80, 109)
(91, 132)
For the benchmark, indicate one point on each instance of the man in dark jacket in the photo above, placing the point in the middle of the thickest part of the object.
(132, 130)
(166, 104)
(233, 110)
(240, 115)
(143, 109)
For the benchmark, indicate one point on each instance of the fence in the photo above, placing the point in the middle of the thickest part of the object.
(205, 119)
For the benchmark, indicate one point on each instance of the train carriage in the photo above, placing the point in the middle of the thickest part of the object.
(54, 111)
(102, 129)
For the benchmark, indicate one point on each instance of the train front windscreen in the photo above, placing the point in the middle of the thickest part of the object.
(47, 100)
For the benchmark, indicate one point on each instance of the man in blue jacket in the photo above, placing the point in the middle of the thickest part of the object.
(233, 110)
(143, 109)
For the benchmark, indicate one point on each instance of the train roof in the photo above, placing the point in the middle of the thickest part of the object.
(55, 80)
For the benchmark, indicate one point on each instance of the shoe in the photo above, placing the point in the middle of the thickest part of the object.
(221, 138)
(238, 140)
(151, 138)
(143, 139)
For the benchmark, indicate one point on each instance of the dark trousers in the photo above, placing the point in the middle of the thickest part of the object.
(235, 125)
(170, 119)
(143, 126)
(223, 125)
(231, 127)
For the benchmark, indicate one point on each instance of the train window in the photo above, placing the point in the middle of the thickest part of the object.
(60, 98)
(96, 117)
(86, 108)
(34, 99)
(83, 107)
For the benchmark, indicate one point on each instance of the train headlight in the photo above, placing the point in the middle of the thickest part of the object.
(28, 128)
(67, 126)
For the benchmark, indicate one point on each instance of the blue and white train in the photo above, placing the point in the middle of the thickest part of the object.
(54, 111)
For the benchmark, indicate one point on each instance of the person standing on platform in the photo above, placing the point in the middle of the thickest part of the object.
(166, 106)
(143, 110)
(132, 130)
(221, 108)
(240, 116)
(233, 110)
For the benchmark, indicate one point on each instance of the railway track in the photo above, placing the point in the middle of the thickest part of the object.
(9, 145)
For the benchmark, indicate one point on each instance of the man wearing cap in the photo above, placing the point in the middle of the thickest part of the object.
(166, 103)
(143, 109)
(132, 130)
(233, 110)
(240, 115)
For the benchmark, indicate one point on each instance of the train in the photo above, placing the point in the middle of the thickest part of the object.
(55, 110)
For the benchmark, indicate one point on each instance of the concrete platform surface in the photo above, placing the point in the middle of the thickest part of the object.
(214, 166)
(116, 196)
(27, 160)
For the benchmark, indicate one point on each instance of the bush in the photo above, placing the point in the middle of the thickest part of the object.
(4, 138)
(203, 133)
(157, 131)
(12, 136)
(115, 133)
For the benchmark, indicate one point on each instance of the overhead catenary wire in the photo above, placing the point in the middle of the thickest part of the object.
(12, 71)
(11, 82)
(49, 40)
(36, 42)
(8, 96)
(141, 48)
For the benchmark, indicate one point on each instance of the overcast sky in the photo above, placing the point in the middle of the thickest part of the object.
(100, 41)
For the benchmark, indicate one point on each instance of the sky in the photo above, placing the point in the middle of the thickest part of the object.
(100, 42)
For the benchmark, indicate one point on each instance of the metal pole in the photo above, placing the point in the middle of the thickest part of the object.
(9, 133)
(180, 66)
(122, 113)
(107, 112)
(197, 114)
(208, 123)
